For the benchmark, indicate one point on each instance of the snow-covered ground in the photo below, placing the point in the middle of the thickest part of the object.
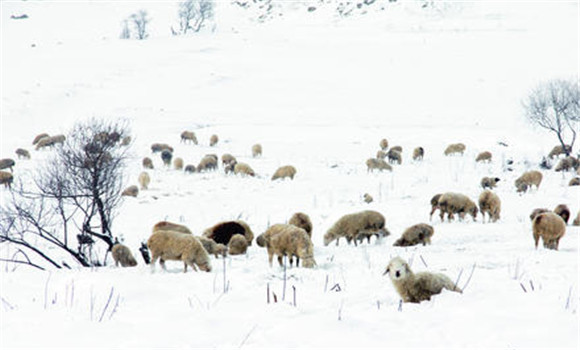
(318, 92)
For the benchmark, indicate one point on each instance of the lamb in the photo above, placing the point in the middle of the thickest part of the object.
(303, 221)
(394, 156)
(357, 226)
(144, 180)
(22, 153)
(416, 234)
(568, 163)
(207, 163)
(223, 231)
(576, 221)
(489, 203)
(7, 163)
(414, 288)
(257, 150)
(384, 144)
(451, 203)
(170, 245)
(131, 191)
(122, 254)
(557, 150)
(434, 204)
(379, 164)
(537, 212)
(244, 169)
(527, 179)
(213, 140)
(550, 227)
(39, 137)
(454, 149)
(170, 226)
(212, 247)
(489, 182)
(6, 178)
(574, 181)
(284, 171)
(418, 153)
(483, 157)
(178, 163)
(237, 245)
(166, 157)
(290, 241)
(147, 163)
(228, 158)
(188, 136)
(563, 211)
(367, 198)
(159, 147)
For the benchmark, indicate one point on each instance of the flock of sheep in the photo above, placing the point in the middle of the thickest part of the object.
(171, 241)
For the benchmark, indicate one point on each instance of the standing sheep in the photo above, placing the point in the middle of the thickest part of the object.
(394, 156)
(489, 203)
(169, 245)
(418, 153)
(434, 204)
(166, 157)
(302, 220)
(147, 163)
(456, 203)
(414, 288)
(159, 147)
(39, 137)
(291, 241)
(454, 149)
(178, 163)
(563, 211)
(379, 164)
(6, 178)
(170, 226)
(284, 171)
(527, 179)
(384, 144)
(357, 226)
(416, 234)
(44, 142)
(244, 169)
(144, 180)
(263, 239)
(256, 150)
(550, 227)
(7, 163)
(188, 136)
(207, 163)
(213, 140)
(228, 158)
(568, 163)
(131, 191)
(557, 150)
(122, 254)
(483, 157)
(489, 182)
(22, 153)
(237, 245)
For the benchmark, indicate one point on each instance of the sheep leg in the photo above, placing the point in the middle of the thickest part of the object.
(270, 256)
(280, 256)
(297, 261)
(162, 263)
(154, 260)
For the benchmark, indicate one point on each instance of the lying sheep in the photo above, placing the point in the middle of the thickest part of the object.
(290, 241)
(171, 226)
(434, 204)
(207, 163)
(527, 179)
(257, 150)
(416, 234)
(384, 144)
(394, 156)
(237, 245)
(576, 221)
(378, 164)
(489, 182)
(574, 181)
(550, 227)
(381, 154)
(489, 203)
(228, 158)
(244, 169)
(302, 220)
(483, 157)
(456, 203)
(122, 254)
(568, 163)
(131, 191)
(166, 157)
(7, 163)
(537, 212)
(212, 247)
(563, 211)
(454, 149)
(557, 150)
(357, 226)
(6, 179)
(284, 172)
(418, 153)
(39, 137)
(169, 245)
(414, 288)
(22, 153)
(178, 163)
(147, 163)
(367, 198)
(188, 136)
(213, 140)
(144, 180)
(190, 168)
(222, 232)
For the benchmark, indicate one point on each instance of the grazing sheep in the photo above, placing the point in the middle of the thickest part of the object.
(576, 221)
(230, 167)
(384, 144)
(6, 178)
(489, 203)
(550, 227)
(574, 182)
(302, 220)
(290, 241)
(454, 149)
(159, 147)
(379, 164)
(416, 234)
(213, 140)
(223, 231)
(483, 157)
(568, 163)
(169, 245)
(207, 163)
(394, 156)
(126, 141)
(228, 158)
(527, 179)
(381, 154)
(178, 163)
(284, 171)
(434, 204)
(557, 150)
(489, 182)
(237, 245)
(22, 153)
(537, 212)
(188, 136)
(147, 163)
(212, 247)
(170, 226)
(122, 254)
(131, 191)
(418, 153)
(190, 168)
(7, 163)
(39, 137)
(257, 150)
(44, 142)
(451, 203)
(397, 149)
(367, 198)
(263, 239)
(563, 211)
(357, 226)
(144, 180)
(244, 169)
(414, 288)
(166, 157)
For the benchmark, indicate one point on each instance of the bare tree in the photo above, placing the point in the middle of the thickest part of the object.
(125, 31)
(75, 192)
(193, 14)
(140, 21)
(554, 105)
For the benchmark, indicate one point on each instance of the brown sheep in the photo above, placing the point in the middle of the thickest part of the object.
(207, 163)
(367, 198)
(188, 136)
(6, 179)
(237, 245)
(394, 156)
(576, 221)
(568, 163)
(291, 241)
(550, 227)
(212, 247)
(126, 141)
(257, 150)
(169, 245)
(489, 203)
(434, 204)
(228, 158)
(418, 153)
(527, 179)
(22, 153)
(178, 163)
(213, 140)
(489, 182)
(483, 157)
(144, 180)
(159, 147)
(454, 149)
(222, 232)
(384, 144)
(357, 226)
(379, 164)
(7, 163)
(456, 203)
(170, 226)
(302, 220)
(244, 169)
(131, 191)
(574, 181)
(284, 171)
(416, 234)
(415, 288)
(122, 254)
(147, 163)
(557, 150)
(44, 142)
(381, 154)
(537, 212)
(39, 137)
(563, 211)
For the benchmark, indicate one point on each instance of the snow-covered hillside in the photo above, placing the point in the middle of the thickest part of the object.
(319, 91)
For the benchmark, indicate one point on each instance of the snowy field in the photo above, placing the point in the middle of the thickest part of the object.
(319, 92)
